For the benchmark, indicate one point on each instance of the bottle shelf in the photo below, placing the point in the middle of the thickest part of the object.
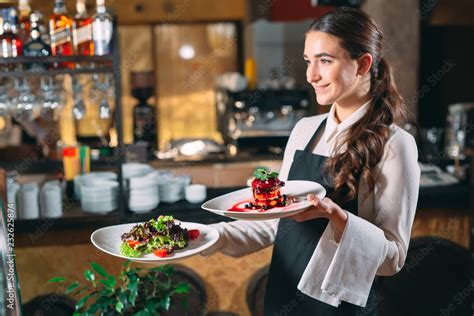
(103, 65)
(59, 59)
(53, 72)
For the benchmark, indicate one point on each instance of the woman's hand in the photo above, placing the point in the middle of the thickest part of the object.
(325, 208)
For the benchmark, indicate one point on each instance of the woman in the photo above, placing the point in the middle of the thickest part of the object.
(325, 259)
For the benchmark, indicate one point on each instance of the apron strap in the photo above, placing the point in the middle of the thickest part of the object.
(315, 135)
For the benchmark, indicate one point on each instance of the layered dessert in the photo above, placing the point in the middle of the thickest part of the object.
(266, 190)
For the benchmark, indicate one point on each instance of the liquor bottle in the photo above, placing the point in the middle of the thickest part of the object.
(43, 28)
(11, 44)
(35, 46)
(144, 115)
(82, 30)
(24, 12)
(102, 30)
(60, 30)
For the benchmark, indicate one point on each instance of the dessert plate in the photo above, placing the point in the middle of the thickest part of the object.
(295, 190)
(108, 240)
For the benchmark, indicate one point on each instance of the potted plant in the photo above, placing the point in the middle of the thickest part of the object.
(135, 291)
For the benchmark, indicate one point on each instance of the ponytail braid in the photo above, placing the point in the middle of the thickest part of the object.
(365, 140)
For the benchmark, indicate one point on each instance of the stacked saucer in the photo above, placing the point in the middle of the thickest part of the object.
(143, 192)
(131, 170)
(80, 179)
(171, 188)
(99, 196)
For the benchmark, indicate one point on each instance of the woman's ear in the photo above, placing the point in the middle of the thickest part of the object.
(364, 63)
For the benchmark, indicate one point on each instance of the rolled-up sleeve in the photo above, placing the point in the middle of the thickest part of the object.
(377, 243)
(395, 200)
(240, 238)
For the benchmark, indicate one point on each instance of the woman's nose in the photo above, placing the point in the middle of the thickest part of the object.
(312, 74)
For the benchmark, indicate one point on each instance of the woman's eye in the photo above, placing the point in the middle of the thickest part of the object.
(325, 61)
(307, 61)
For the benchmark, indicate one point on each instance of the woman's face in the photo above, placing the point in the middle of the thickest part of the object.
(330, 70)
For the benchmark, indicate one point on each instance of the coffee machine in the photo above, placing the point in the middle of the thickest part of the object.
(260, 120)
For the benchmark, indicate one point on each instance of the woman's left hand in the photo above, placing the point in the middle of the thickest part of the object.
(324, 208)
(320, 208)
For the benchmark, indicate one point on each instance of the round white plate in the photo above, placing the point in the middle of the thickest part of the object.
(108, 240)
(296, 188)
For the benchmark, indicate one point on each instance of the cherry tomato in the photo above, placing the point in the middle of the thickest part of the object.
(193, 234)
(133, 243)
(160, 253)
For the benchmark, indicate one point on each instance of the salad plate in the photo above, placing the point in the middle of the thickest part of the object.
(108, 240)
(233, 204)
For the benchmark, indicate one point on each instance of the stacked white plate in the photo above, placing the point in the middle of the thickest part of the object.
(51, 203)
(143, 192)
(99, 196)
(171, 188)
(80, 179)
(131, 170)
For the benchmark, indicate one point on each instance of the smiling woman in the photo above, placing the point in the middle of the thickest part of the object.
(326, 258)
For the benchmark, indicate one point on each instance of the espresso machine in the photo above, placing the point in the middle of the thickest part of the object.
(260, 120)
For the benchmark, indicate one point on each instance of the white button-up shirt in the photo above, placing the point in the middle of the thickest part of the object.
(374, 242)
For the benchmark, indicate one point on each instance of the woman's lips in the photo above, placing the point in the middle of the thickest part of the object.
(321, 88)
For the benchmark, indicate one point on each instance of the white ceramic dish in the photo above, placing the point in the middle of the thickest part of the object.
(295, 188)
(108, 240)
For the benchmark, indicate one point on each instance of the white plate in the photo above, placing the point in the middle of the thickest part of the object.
(108, 240)
(223, 203)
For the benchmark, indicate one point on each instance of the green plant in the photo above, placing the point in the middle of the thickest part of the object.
(134, 291)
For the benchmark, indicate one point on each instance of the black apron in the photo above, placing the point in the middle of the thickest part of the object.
(295, 244)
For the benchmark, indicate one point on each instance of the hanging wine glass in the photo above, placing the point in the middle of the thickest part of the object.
(26, 107)
(52, 94)
(95, 90)
(104, 108)
(79, 108)
(5, 105)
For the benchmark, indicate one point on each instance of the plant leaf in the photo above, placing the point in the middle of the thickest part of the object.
(56, 280)
(72, 287)
(106, 292)
(119, 306)
(126, 264)
(104, 301)
(168, 270)
(123, 299)
(166, 302)
(94, 308)
(81, 302)
(89, 275)
(81, 290)
(110, 282)
(181, 288)
(99, 269)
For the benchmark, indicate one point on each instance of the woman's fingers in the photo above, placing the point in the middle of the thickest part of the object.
(317, 202)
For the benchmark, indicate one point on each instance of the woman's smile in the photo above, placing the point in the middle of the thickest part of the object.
(321, 88)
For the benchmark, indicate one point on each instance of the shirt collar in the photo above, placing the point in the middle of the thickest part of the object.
(333, 128)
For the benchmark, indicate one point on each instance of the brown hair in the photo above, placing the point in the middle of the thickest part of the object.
(365, 140)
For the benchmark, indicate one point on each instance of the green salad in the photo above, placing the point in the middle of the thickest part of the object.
(161, 236)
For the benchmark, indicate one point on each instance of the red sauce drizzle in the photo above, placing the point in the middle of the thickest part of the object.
(249, 205)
